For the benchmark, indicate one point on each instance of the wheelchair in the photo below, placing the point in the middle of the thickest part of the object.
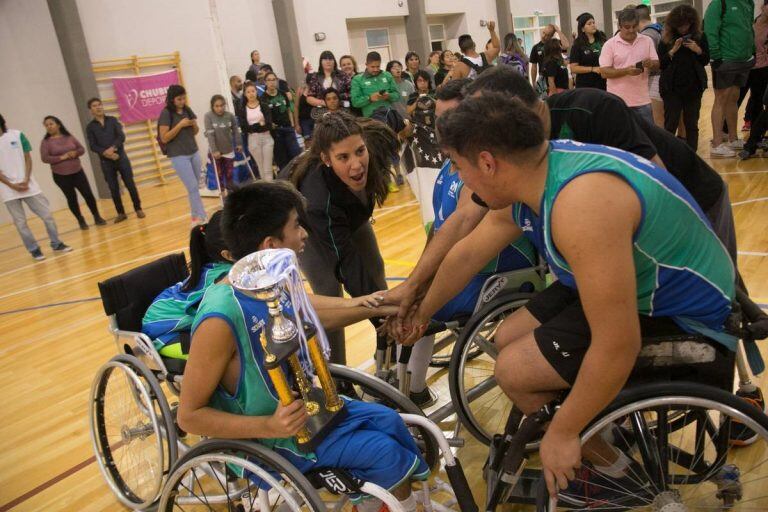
(148, 462)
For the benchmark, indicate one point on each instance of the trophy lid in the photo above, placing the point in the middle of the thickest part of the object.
(250, 273)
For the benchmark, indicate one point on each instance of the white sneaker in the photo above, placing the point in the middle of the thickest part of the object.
(736, 144)
(722, 151)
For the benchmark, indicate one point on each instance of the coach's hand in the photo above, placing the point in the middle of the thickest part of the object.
(560, 454)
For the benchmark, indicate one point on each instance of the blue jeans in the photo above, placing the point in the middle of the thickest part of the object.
(286, 146)
(188, 169)
(40, 207)
(646, 112)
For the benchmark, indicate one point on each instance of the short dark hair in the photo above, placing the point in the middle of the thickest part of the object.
(256, 211)
(2, 124)
(643, 11)
(372, 57)
(492, 122)
(331, 90)
(503, 79)
(452, 90)
(628, 16)
(466, 43)
(218, 97)
(391, 63)
(93, 100)
(424, 76)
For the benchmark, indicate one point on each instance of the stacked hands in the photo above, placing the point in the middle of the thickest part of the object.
(409, 321)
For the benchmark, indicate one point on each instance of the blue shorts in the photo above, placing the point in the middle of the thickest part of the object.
(464, 302)
(372, 443)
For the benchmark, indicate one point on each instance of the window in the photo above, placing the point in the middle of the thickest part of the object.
(437, 36)
(660, 11)
(377, 40)
(528, 28)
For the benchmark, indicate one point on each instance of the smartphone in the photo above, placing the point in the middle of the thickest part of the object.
(686, 37)
(639, 65)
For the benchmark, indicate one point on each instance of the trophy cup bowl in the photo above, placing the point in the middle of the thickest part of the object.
(281, 343)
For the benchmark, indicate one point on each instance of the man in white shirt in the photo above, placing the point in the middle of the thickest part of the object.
(17, 187)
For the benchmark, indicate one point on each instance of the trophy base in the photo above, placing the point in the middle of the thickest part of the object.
(321, 424)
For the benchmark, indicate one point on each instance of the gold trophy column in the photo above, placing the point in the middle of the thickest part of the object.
(332, 401)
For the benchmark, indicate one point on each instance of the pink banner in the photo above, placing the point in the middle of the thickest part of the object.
(142, 97)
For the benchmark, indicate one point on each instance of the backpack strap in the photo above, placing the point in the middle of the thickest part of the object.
(472, 65)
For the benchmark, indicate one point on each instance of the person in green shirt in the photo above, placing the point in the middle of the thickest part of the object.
(374, 88)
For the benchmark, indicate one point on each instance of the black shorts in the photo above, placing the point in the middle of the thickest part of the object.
(564, 335)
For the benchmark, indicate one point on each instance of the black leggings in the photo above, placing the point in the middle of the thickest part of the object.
(70, 184)
(689, 104)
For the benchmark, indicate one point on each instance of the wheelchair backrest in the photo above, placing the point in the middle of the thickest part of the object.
(128, 295)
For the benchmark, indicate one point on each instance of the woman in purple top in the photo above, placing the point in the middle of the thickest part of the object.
(62, 151)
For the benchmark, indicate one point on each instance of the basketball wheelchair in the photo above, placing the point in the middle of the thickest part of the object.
(148, 462)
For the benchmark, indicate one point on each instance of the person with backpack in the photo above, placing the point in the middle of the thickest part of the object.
(537, 53)
(585, 53)
(652, 30)
(513, 55)
(471, 63)
(731, 38)
(176, 130)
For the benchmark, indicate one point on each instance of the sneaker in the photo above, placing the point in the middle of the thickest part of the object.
(740, 435)
(392, 187)
(99, 221)
(83, 225)
(722, 151)
(62, 247)
(592, 489)
(140, 214)
(424, 398)
(120, 217)
(736, 144)
(37, 254)
(745, 154)
(747, 126)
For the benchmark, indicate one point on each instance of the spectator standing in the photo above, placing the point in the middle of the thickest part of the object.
(177, 128)
(585, 53)
(652, 30)
(280, 110)
(433, 66)
(553, 67)
(62, 151)
(447, 60)
(304, 113)
(626, 60)
(683, 53)
(731, 38)
(412, 66)
(406, 87)
(258, 124)
(253, 70)
(222, 130)
(513, 55)
(537, 52)
(328, 75)
(18, 187)
(374, 88)
(470, 63)
(236, 89)
(758, 75)
(107, 139)
(348, 65)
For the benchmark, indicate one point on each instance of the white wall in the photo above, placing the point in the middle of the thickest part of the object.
(331, 16)
(33, 84)
(528, 8)
(594, 7)
(465, 20)
(358, 44)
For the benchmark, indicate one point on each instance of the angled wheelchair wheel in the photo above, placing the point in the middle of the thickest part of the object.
(684, 462)
(132, 430)
(482, 407)
(237, 476)
(362, 386)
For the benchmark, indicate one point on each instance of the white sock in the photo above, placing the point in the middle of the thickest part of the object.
(618, 468)
(418, 364)
(409, 504)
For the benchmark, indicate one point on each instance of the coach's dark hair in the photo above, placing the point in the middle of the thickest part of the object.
(503, 79)
(205, 246)
(256, 211)
(452, 90)
(2, 124)
(492, 122)
(93, 100)
(333, 127)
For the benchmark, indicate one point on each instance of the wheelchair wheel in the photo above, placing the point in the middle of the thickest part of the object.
(234, 476)
(480, 404)
(132, 431)
(691, 467)
(362, 386)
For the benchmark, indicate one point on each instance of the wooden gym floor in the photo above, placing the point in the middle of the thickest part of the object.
(53, 336)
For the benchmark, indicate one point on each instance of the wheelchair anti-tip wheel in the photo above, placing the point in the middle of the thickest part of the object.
(132, 430)
(684, 465)
(237, 476)
(482, 407)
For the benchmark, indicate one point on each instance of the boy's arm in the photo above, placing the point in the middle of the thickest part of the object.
(335, 318)
(212, 349)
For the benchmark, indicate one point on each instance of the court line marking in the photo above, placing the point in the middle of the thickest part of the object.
(51, 305)
(391, 209)
(752, 253)
(741, 172)
(755, 200)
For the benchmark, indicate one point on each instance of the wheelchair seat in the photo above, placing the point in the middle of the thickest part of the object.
(128, 295)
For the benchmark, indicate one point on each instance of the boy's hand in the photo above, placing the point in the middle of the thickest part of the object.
(373, 300)
(287, 421)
